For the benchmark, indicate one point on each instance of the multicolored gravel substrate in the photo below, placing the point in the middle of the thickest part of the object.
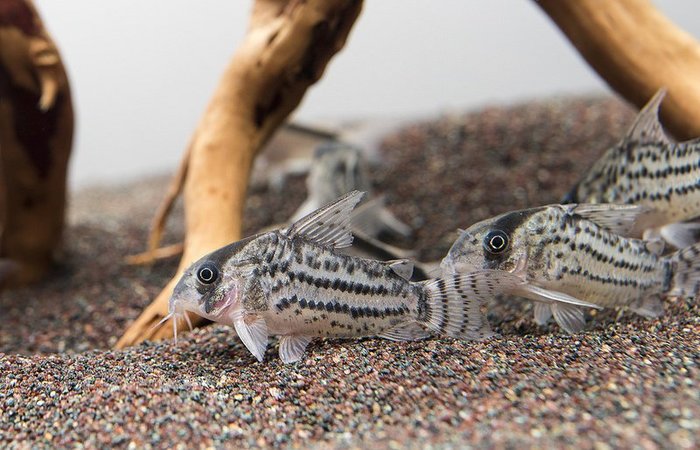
(625, 382)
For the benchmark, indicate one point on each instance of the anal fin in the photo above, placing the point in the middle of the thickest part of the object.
(405, 332)
(292, 347)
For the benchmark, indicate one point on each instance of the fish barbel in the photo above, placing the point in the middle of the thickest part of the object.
(294, 284)
(575, 255)
(649, 169)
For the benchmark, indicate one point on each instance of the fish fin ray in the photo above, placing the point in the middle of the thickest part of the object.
(681, 234)
(569, 317)
(401, 267)
(453, 304)
(646, 127)
(253, 335)
(292, 347)
(649, 307)
(411, 331)
(551, 297)
(372, 217)
(618, 219)
(686, 275)
(542, 313)
(330, 225)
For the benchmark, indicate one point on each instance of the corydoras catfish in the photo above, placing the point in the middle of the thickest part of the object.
(574, 255)
(338, 168)
(292, 283)
(649, 169)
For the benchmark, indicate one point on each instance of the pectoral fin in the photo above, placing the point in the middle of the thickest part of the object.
(292, 347)
(543, 295)
(253, 332)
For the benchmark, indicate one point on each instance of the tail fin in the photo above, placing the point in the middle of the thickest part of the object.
(685, 273)
(453, 304)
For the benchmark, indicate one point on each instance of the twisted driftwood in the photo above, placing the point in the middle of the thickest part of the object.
(36, 132)
(286, 49)
(636, 50)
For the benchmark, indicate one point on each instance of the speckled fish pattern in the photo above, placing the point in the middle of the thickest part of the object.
(293, 283)
(646, 168)
(576, 250)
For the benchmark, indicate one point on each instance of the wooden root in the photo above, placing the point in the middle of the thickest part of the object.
(36, 133)
(636, 50)
(286, 50)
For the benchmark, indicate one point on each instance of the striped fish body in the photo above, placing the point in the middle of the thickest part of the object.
(315, 291)
(295, 284)
(570, 253)
(648, 169)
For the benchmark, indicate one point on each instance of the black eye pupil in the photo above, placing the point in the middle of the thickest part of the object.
(207, 274)
(496, 241)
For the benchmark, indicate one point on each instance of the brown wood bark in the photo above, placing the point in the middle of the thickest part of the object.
(286, 50)
(636, 50)
(36, 131)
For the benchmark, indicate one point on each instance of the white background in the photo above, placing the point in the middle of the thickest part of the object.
(143, 70)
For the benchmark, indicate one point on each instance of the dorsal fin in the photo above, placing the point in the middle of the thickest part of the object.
(646, 127)
(401, 267)
(618, 219)
(330, 225)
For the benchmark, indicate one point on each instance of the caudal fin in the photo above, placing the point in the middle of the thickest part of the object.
(686, 272)
(453, 305)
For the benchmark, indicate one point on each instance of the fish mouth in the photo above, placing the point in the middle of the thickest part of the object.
(176, 313)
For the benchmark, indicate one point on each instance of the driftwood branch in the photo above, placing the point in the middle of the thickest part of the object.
(36, 132)
(286, 50)
(636, 50)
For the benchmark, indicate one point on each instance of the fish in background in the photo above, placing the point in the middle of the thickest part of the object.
(647, 168)
(339, 168)
(295, 284)
(574, 256)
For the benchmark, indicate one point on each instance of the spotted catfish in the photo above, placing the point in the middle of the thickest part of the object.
(649, 169)
(574, 256)
(294, 284)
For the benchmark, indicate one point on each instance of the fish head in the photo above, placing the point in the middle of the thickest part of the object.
(499, 243)
(338, 168)
(212, 286)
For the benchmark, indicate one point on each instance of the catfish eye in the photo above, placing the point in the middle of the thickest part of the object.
(496, 241)
(207, 273)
